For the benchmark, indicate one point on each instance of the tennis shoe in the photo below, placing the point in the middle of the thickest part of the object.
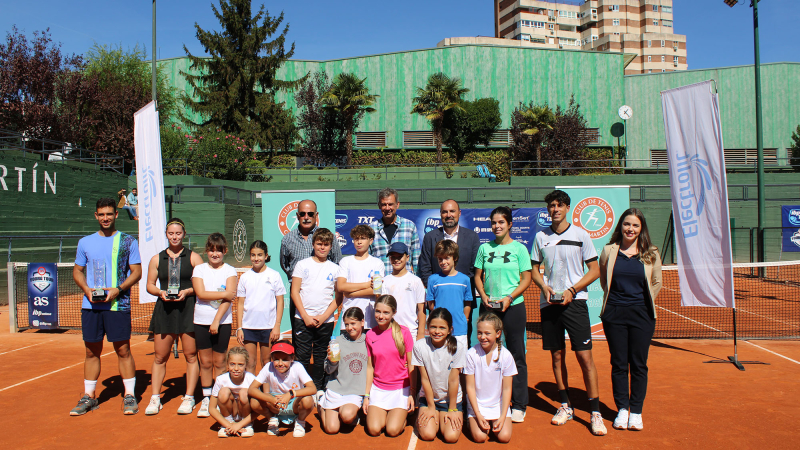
(621, 422)
(85, 404)
(222, 433)
(153, 407)
(517, 416)
(598, 427)
(203, 411)
(299, 430)
(187, 405)
(564, 414)
(129, 405)
(247, 431)
(635, 422)
(272, 426)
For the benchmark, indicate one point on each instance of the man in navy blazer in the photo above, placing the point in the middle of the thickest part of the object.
(466, 239)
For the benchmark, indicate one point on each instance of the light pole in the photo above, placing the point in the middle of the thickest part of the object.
(154, 53)
(759, 134)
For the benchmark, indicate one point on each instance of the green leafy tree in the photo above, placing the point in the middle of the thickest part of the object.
(236, 85)
(795, 150)
(322, 133)
(349, 97)
(440, 95)
(473, 125)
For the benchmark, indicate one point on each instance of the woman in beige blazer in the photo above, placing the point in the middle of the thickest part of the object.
(630, 274)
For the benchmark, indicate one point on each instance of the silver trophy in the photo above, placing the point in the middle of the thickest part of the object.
(98, 280)
(174, 284)
(558, 281)
(493, 286)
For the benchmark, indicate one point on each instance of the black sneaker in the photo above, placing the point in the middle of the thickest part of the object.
(85, 404)
(129, 405)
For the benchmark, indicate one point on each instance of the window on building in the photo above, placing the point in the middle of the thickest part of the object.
(551, 26)
(537, 40)
(666, 9)
(666, 23)
(655, 22)
(675, 59)
(594, 12)
(551, 41)
(524, 37)
(649, 43)
(662, 58)
(616, 34)
(615, 22)
(568, 14)
(655, 8)
(613, 8)
(649, 58)
(662, 43)
(650, 71)
(594, 38)
(663, 70)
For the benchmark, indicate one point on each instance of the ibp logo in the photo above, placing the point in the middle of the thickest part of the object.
(594, 215)
(287, 218)
(543, 219)
(431, 223)
(794, 217)
(341, 220)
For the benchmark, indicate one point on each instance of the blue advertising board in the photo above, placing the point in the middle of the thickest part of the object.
(790, 221)
(42, 296)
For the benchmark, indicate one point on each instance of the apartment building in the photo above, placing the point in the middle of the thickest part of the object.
(641, 28)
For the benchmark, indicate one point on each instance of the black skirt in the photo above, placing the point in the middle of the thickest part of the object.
(173, 317)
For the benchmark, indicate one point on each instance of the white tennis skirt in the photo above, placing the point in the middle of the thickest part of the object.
(393, 399)
(488, 412)
(332, 400)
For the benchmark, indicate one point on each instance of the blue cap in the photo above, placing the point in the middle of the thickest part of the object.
(398, 247)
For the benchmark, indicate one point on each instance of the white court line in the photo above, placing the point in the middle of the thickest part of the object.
(774, 353)
(58, 370)
(28, 346)
(692, 320)
(412, 443)
(763, 317)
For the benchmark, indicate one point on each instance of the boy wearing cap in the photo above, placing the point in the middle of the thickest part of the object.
(356, 276)
(287, 391)
(408, 290)
(451, 290)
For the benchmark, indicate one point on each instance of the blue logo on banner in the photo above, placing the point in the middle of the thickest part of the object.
(543, 219)
(431, 223)
(687, 191)
(790, 222)
(794, 217)
(42, 295)
(341, 220)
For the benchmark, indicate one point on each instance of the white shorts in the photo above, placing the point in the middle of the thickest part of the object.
(488, 412)
(397, 398)
(332, 400)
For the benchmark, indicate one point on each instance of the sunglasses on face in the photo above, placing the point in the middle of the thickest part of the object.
(304, 213)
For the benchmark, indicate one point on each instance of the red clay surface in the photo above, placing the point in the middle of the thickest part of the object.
(689, 404)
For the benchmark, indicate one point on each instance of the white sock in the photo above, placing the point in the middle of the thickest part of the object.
(155, 396)
(302, 423)
(130, 385)
(89, 387)
(206, 392)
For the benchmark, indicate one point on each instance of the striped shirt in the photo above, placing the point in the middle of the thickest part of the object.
(295, 249)
(406, 233)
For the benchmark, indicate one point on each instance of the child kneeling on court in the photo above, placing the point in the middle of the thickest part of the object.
(230, 395)
(347, 367)
(489, 370)
(282, 394)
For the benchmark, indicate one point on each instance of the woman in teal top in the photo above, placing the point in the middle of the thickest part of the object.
(502, 273)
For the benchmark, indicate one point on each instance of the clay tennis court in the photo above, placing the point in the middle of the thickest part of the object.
(689, 404)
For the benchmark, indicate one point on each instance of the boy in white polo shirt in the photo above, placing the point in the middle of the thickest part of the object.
(408, 290)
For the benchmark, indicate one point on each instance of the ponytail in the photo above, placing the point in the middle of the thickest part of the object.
(397, 332)
(444, 314)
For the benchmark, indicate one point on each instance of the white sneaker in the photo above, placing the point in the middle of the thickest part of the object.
(272, 426)
(187, 405)
(222, 433)
(517, 416)
(247, 431)
(317, 398)
(203, 411)
(299, 430)
(153, 407)
(621, 422)
(598, 427)
(635, 422)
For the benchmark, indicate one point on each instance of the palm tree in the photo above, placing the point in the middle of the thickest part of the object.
(350, 97)
(440, 95)
(536, 119)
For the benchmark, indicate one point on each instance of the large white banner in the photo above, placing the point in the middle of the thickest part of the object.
(699, 195)
(150, 181)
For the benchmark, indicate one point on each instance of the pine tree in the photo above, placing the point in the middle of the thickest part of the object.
(236, 86)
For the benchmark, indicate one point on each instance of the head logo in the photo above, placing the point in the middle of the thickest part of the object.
(594, 215)
(794, 217)
(431, 223)
(543, 219)
(287, 218)
(239, 240)
(341, 220)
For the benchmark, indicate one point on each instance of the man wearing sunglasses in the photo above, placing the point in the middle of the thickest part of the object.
(297, 245)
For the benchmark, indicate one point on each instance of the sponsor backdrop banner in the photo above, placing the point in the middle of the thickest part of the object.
(150, 181)
(699, 195)
(790, 218)
(596, 209)
(42, 296)
(279, 215)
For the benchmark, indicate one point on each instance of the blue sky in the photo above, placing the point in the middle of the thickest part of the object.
(717, 35)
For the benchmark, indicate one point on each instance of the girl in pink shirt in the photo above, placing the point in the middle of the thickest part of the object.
(387, 401)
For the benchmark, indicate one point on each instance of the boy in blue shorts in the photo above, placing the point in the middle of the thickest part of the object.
(106, 304)
(451, 290)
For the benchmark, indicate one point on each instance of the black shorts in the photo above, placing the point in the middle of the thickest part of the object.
(440, 406)
(574, 318)
(114, 325)
(217, 342)
(260, 336)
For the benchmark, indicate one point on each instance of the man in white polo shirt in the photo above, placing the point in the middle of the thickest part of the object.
(563, 249)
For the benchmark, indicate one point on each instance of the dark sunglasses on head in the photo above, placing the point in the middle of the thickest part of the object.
(304, 213)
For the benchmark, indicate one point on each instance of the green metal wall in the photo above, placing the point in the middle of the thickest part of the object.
(780, 91)
(507, 74)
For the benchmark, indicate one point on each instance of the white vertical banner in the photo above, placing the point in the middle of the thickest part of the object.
(699, 195)
(150, 182)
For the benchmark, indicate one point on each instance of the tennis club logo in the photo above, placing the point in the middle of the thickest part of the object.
(594, 215)
(287, 219)
(341, 239)
(42, 279)
(239, 240)
(795, 238)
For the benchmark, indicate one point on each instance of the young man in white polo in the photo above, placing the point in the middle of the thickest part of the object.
(563, 249)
